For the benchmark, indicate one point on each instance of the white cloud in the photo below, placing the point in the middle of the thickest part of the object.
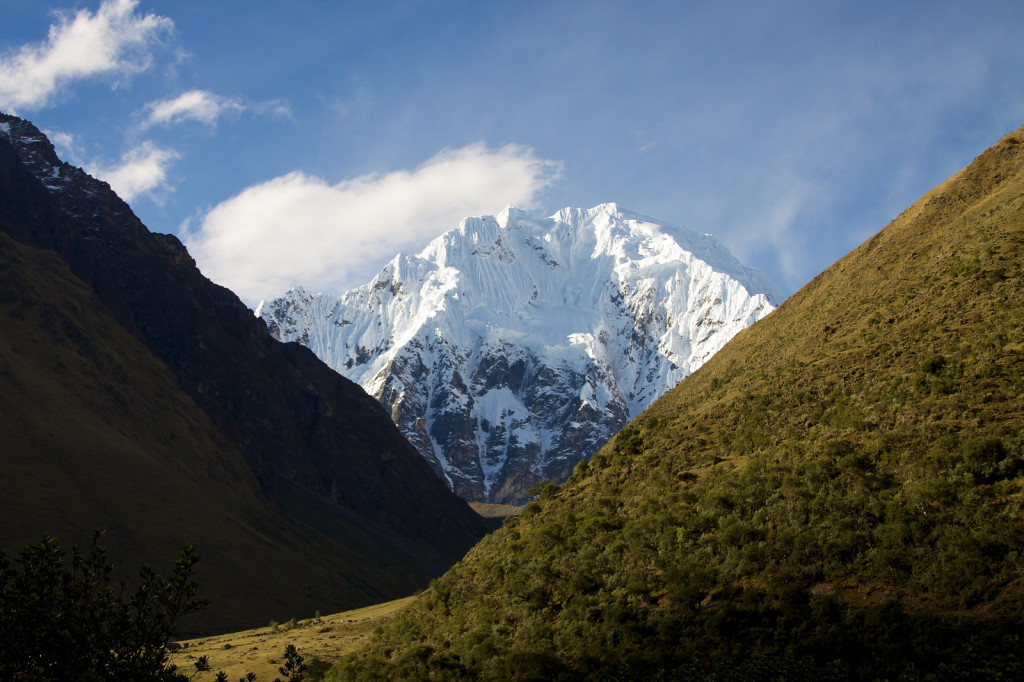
(141, 170)
(65, 145)
(113, 40)
(197, 105)
(275, 107)
(298, 229)
(62, 139)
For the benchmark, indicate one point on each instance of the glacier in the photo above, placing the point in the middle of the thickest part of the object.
(515, 345)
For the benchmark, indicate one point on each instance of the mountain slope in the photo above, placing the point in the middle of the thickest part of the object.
(512, 346)
(332, 503)
(837, 494)
(96, 433)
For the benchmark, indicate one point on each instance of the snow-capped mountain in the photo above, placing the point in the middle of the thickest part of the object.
(514, 345)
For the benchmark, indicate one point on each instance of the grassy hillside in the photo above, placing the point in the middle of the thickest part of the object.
(837, 494)
(96, 433)
(320, 641)
(139, 398)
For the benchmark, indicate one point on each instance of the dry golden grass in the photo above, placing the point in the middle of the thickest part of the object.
(495, 511)
(320, 641)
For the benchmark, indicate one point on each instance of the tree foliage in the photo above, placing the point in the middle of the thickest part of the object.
(294, 669)
(69, 621)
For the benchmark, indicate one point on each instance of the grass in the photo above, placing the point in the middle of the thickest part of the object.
(96, 433)
(495, 511)
(140, 399)
(837, 494)
(321, 642)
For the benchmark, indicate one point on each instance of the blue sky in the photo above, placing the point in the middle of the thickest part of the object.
(308, 142)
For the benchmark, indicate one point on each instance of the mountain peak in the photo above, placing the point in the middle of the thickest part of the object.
(513, 345)
(836, 495)
(37, 153)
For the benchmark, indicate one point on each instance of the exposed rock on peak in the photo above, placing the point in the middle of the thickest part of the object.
(514, 345)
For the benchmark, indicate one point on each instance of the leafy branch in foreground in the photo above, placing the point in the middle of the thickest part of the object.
(61, 621)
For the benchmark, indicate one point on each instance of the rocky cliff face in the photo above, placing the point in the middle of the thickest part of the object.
(320, 450)
(514, 346)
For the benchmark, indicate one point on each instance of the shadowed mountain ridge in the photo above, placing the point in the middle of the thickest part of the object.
(319, 459)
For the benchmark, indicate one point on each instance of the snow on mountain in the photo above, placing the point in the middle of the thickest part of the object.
(514, 345)
(38, 155)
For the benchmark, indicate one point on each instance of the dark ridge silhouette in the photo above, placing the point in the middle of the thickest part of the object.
(295, 471)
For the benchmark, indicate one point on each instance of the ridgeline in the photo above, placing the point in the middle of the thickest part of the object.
(139, 398)
(837, 494)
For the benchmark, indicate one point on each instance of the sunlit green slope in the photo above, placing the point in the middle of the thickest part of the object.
(838, 493)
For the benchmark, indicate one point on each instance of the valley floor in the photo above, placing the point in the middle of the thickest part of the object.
(320, 641)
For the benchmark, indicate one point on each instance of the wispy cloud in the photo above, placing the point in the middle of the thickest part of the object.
(65, 145)
(140, 170)
(298, 229)
(197, 105)
(275, 107)
(114, 40)
(777, 229)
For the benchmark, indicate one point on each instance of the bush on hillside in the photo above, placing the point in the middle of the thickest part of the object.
(69, 622)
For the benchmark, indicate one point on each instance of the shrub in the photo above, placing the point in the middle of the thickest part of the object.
(293, 669)
(67, 622)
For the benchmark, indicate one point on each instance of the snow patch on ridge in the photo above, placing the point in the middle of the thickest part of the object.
(514, 345)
